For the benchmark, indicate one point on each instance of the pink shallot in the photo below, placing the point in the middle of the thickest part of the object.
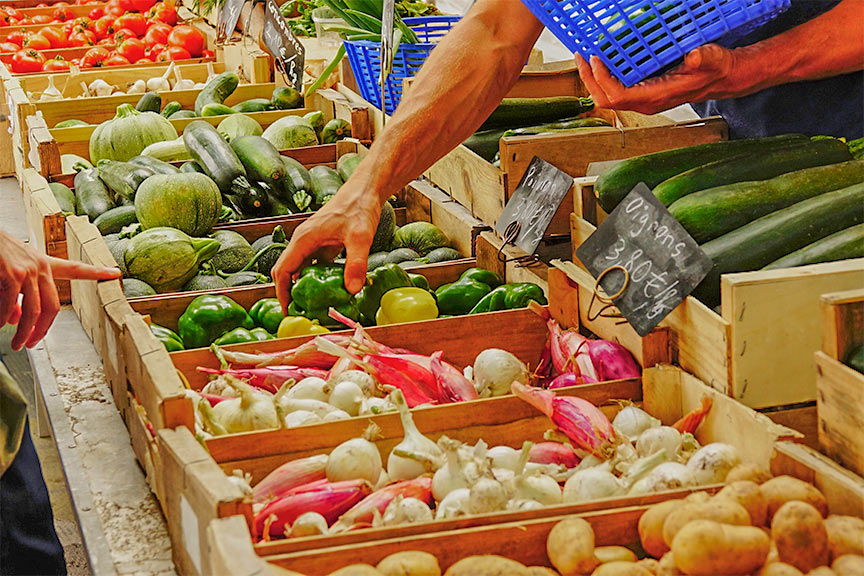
(270, 378)
(362, 514)
(289, 476)
(554, 453)
(452, 384)
(570, 379)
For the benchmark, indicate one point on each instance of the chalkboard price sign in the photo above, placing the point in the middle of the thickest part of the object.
(227, 19)
(662, 261)
(288, 53)
(533, 204)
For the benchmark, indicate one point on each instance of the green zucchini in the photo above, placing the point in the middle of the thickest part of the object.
(216, 157)
(325, 183)
(71, 123)
(253, 105)
(112, 221)
(254, 201)
(170, 108)
(856, 148)
(260, 159)
(214, 109)
(158, 166)
(64, 196)
(771, 237)
(855, 358)
(652, 169)
(216, 90)
(316, 119)
(518, 112)
(563, 125)
(335, 130)
(710, 213)
(752, 167)
(167, 151)
(191, 167)
(297, 177)
(346, 164)
(149, 102)
(485, 143)
(843, 245)
(286, 98)
(93, 197)
(123, 178)
(182, 115)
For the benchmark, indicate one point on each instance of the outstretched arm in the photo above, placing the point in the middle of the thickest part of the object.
(829, 45)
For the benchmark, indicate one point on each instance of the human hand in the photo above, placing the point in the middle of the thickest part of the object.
(27, 272)
(705, 74)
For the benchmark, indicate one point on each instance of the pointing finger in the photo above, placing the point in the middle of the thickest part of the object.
(73, 270)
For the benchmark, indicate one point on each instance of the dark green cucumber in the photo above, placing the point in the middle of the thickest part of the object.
(149, 102)
(93, 197)
(297, 177)
(112, 221)
(64, 196)
(286, 98)
(214, 109)
(771, 237)
(749, 167)
(710, 213)
(517, 112)
(71, 123)
(346, 165)
(182, 115)
(843, 245)
(158, 166)
(325, 183)
(170, 108)
(216, 90)
(253, 105)
(652, 169)
(123, 178)
(261, 160)
(191, 167)
(215, 156)
(563, 125)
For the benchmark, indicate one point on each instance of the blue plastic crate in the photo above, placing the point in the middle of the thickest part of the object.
(365, 59)
(636, 38)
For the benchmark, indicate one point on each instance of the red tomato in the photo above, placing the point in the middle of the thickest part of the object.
(56, 37)
(208, 54)
(27, 61)
(61, 4)
(154, 51)
(162, 13)
(189, 38)
(137, 23)
(63, 14)
(83, 22)
(16, 37)
(142, 6)
(13, 12)
(42, 19)
(174, 53)
(56, 64)
(123, 34)
(4, 20)
(96, 14)
(104, 26)
(132, 49)
(109, 41)
(115, 8)
(37, 42)
(80, 39)
(9, 47)
(95, 57)
(156, 34)
(145, 61)
(116, 60)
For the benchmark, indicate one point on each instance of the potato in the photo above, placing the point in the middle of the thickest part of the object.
(821, 571)
(666, 566)
(649, 564)
(621, 569)
(845, 535)
(356, 570)
(779, 569)
(747, 471)
(409, 563)
(697, 497)
(540, 571)
(800, 535)
(706, 547)
(724, 511)
(570, 547)
(848, 565)
(488, 565)
(748, 495)
(606, 554)
(651, 527)
(782, 489)
(275, 570)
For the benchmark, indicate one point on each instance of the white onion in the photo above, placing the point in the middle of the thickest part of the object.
(632, 421)
(347, 396)
(425, 454)
(353, 459)
(591, 484)
(659, 438)
(454, 504)
(375, 405)
(524, 505)
(495, 370)
(406, 511)
(364, 381)
(711, 463)
(539, 487)
(504, 457)
(336, 415)
(311, 388)
(666, 476)
(309, 524)
(487, 495)
(300, 418)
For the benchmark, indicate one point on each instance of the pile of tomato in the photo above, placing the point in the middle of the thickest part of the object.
(119, 32)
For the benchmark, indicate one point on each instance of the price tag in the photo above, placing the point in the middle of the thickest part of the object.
(227, 19)
(288, 53)
(533, 204)
(662, 261)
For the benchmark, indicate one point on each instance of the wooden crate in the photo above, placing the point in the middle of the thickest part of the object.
(424, 202)
(840, 389)
(143, 438)
(766, 332)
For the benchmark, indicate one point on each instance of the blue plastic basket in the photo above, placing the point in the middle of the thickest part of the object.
(636, 38)
(365, 59)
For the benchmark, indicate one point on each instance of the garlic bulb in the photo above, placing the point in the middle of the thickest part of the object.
(51, 92)
(139, 87)
(406, 511)
(100, 88)
(308, 524)
(161, 83)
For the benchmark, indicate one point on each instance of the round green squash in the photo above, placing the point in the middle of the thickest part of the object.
(128, 133)
(234, 252)
(166, 258)
(189, 202)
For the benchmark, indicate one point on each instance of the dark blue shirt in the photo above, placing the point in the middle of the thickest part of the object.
(832, 106)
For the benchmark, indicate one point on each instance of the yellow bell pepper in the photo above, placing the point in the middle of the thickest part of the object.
(406, 305)
(298, 326)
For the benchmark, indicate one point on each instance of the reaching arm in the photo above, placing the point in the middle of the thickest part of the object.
(461, 83)
(829, 45)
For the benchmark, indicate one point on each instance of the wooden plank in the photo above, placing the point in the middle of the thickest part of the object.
(145, 448)
(231, 550)
(840, 402)
(842, 322)
(428, 203)
(801, 418)
(506, 261)
(470, 181)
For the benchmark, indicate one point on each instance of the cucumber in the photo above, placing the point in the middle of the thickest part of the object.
(843, 245)
(652, 169)
(771, 237)
(170, 108)
(112, 221)
(286, 98)
(191, 167)
(92, 195)
(214, 109)
(149, 102)
(518, 112)
(158, 166)
(253, 105)
(216, 90)
(64, 196)
(563, 125)
(710, 213)
(325, 183)
(752, 167)
(260, 159)
(123, 178)
(182, 115)
(346, 165)
(71, 123)
(216, 157)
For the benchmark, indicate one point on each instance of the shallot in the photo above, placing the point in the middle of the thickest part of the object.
(356, 458)
(289, 476)
(495, 369)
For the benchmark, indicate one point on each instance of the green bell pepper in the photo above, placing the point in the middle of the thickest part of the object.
(509, 297)
(378, 282)
(267, 313)
(242, 335)
(419, 281)
(461, 296)
(487, 277)
(208, 317)
(170, 339)
(319, 288)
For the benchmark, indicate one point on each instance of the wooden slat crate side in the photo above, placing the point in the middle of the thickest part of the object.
(80, 232)
(114, 315)
(801, 418)
(840, 401)
(842, 322)
(488, 247)
(231, 550)
(145, 448)
(471, 181)
(428, 203)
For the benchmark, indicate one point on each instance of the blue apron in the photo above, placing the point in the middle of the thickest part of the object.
(832, 106)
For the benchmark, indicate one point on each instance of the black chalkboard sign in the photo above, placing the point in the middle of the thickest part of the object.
(227, 19)
(663, 262)
(533, 204)
(288, 53)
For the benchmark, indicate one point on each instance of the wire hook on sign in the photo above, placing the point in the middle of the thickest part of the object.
(596, 296)
(510, 235)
